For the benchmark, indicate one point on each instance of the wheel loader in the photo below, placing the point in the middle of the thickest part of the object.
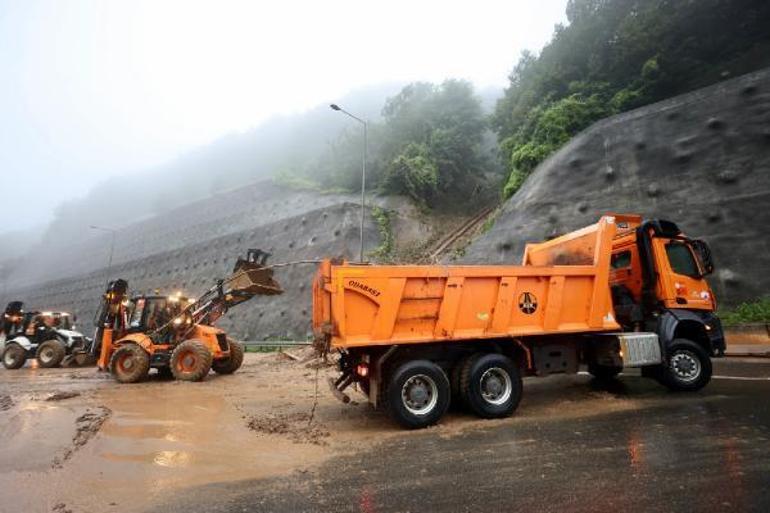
(49, 337)
(175, 334)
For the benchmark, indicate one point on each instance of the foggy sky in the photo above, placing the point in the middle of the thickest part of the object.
(90, 89)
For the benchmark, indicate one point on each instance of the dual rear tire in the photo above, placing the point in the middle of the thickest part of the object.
(419, 392)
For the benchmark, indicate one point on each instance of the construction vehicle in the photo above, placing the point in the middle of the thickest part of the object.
(47, 336)
(621, 293)
(174, 334)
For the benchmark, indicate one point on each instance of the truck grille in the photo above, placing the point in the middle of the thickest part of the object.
(222, 341)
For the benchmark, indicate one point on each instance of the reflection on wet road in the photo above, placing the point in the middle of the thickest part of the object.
(566, 450)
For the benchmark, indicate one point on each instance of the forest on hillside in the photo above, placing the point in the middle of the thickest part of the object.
(446, 145)
(617, 55)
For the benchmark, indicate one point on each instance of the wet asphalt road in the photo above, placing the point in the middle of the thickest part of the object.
(708, 451)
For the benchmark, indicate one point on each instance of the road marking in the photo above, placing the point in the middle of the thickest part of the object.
(742, 378)
(737, 378)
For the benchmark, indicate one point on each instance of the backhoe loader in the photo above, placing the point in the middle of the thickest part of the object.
(50, 337)
(175, 334)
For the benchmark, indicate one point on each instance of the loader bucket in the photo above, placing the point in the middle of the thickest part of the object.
(79, 359)
(251, 277)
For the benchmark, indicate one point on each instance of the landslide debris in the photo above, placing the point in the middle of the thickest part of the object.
(87, 426)
(6, 403)
(298, 427)
(62, 395)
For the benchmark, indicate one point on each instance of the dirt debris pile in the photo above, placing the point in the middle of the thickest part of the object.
(86, 427)
(61, 395)
(298, 427)
(6, 402)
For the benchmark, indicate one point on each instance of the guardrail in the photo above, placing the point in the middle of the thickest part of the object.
(275, 343)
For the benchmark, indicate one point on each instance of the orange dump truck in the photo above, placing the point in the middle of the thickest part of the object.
(623, 292)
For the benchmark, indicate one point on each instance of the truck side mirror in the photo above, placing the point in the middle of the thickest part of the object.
(704, 255)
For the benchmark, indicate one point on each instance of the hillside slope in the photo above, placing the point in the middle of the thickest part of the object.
(701, 159)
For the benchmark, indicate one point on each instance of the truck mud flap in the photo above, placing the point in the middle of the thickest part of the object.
(337, 387)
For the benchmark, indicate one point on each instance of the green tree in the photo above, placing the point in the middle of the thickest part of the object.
(617, 55)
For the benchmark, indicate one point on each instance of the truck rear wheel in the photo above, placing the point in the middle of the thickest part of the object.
(14, 356)
(418, 394)
(129, 363)
(191, 361)
(50, 353)
(233, 362)
(687, 367)
(491, 385)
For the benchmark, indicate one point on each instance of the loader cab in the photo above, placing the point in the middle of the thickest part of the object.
(151, 313)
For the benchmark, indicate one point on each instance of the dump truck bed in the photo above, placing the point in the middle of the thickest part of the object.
(561, 287)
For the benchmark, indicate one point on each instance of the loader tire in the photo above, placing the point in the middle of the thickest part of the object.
(233, 362)
(129, 363)
(418, 394)
(687, 367)
(191, 361)
(14, 356)
(491, 385)
(50, 354)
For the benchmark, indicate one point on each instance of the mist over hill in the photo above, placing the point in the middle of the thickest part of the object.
(289, 143)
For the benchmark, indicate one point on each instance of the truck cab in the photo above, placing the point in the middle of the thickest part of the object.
(658, 283)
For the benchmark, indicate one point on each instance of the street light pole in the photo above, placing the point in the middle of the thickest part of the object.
(336, 107)
(112, 231)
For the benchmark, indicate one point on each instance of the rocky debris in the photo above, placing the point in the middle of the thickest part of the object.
(61, 508)
(298, 427)
(62, 395)
(87, 426)
(6, 403)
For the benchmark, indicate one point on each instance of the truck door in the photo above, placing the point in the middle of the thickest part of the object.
(681, 281)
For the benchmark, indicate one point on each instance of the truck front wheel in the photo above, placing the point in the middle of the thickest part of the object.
(418, 394)
(491, 385)
(687, 367)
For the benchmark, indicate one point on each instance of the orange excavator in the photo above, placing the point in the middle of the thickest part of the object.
(175, 334)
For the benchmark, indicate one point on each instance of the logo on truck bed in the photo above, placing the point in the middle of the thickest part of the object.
(365, 288)
(527, 303)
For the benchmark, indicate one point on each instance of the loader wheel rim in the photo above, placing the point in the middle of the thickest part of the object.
(685, 366)
(496, 386)
(10, 358)
(188, 361)
(46, 355)
(419, 394)
(126, 363)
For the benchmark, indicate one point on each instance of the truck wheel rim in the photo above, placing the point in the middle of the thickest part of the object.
(419, 394)
(496, 386)
(685, 366)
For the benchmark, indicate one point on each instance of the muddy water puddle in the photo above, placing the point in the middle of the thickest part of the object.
(99, 446)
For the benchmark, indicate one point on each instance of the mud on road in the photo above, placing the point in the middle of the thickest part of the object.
(73, 440)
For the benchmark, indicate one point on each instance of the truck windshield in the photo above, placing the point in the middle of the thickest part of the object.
(681, 259)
